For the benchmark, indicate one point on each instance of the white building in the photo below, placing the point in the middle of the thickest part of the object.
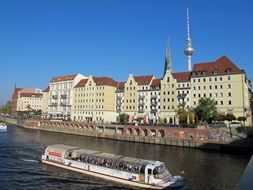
(60, 98)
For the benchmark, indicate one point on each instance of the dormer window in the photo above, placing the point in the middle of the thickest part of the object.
(215, 71)
(228, 70)
(130, 82)
(199, 73)
(204, 72)
(193, 73)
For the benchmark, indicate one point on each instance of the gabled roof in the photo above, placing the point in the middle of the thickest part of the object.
(120, 87)
(182, 76)
(221, 65)
(81, 83)
(143, 80)
(156, 82)
(47, 89)
(100, 81)
(64, 78)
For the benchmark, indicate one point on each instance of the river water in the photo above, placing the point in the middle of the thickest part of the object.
(21, 167)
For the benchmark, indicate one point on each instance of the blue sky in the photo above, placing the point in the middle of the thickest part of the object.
(40, 39)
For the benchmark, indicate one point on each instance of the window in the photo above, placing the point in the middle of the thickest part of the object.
(221, 94)
(221, 86)
(215, 71)
(199, 87)
(199, 95)
(220, 78)
(221, 102)
(229, 85)
(229, 94)
(204, 87)
(215, 78)
(210, 87)
(194, 88)
(198, 80)
(194, 95)
(229, 77)
(193, 80)
(210, 79)
(215, 86)
(210, 94)
(204, 80)
(168, 79)
(228, 70)
(229, 102)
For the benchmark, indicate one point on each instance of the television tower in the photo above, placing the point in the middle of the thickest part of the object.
(188, 49)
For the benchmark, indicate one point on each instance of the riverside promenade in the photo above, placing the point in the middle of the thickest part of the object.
(174, 136)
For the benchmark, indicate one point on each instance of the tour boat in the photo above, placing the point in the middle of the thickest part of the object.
(3, 126)
(135, 172)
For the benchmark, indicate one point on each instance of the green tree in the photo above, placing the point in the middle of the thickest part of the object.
(182, 115)
(6, 109)
(206, 110)
(242, 118)
(123, 118)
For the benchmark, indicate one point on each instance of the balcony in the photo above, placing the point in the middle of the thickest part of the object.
(153, 97)
(53, 105)
(141, 98)
(140, 109)
(153, 110)
(54, 96)
(141, 103)
(118, 103)
(153, 103)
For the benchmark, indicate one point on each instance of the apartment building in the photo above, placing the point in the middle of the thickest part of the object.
(60, 99)
(94, 100)
(224, 82)
(26, 99)
(119, 96)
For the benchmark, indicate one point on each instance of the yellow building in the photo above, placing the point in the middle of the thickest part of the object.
(224, 82)
(136, 100)
(94, 100)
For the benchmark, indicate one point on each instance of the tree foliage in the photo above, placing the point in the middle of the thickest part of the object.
(206, 110)
(230, 117)
(182, 115)
(6, 109)
(123, 118)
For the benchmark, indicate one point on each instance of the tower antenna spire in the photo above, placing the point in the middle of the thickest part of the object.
(188, 49)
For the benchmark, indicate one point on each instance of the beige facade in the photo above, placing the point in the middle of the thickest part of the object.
(29, 101)
(168, 97)
(94, 100)
(224, 82)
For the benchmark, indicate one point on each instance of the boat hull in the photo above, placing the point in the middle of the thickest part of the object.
(106, 177)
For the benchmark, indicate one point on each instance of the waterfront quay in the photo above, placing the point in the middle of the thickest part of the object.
(184, 137)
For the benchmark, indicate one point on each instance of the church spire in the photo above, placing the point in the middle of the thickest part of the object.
(168, 64)
(188, 49)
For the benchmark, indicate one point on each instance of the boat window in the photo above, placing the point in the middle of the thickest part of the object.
(160, 172)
